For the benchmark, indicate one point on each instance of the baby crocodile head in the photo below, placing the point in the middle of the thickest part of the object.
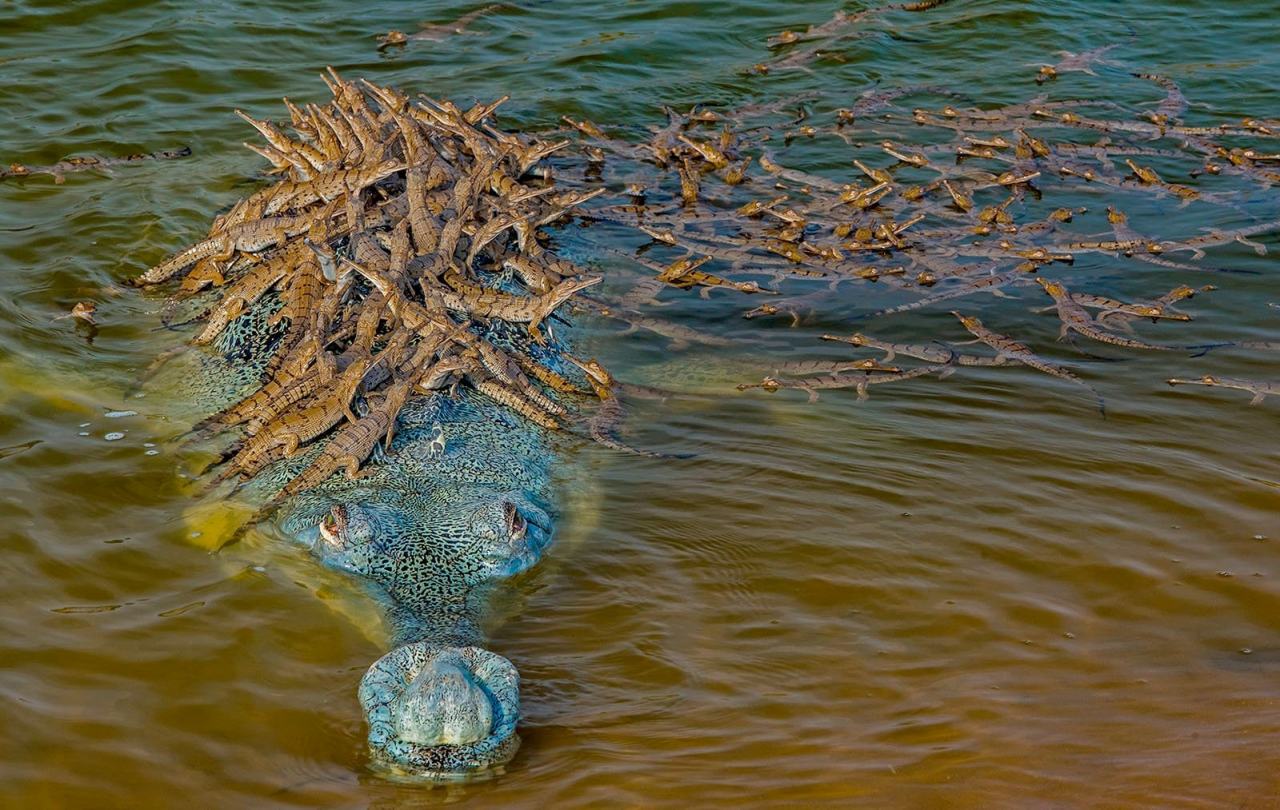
(392, 38)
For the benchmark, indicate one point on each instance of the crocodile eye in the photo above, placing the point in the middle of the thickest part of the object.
(333, 526)
(517, 526)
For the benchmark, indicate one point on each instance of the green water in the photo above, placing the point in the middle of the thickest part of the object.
(962, 593)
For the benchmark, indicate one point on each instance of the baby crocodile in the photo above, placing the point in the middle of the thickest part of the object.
(83, 164)
(931, 354)
(1155, 310)
(1014, 350)
(679, 334)
(796, 368)
(857, 381)
(1259, 389)
(1075, 319)
(436, 32)
(250, 237)
(603, 425)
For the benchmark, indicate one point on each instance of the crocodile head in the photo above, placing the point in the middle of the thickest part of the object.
(437, 707)
(450, 511)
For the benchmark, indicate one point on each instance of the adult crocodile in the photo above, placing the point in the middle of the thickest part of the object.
(384, 310)
(460, 502)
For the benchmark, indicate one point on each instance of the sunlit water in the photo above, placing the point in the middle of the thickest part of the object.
(962, 593)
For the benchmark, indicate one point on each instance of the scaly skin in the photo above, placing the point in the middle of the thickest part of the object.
(295, 428)
(504, 383)
(352, 444)
(448, 737)
(679, 334)
(987, 283)
(492, 230)
(286, 145)
(603, 425)
(797, 368)
(1163, 304)
(690, 276)
(516, 402)
(435, 33)
(1111, 306)
(282, 436)
(540, 277)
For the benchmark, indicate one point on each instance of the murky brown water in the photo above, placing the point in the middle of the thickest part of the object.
(966, 593)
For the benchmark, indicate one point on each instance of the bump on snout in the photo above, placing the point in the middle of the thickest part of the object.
(442, 712)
